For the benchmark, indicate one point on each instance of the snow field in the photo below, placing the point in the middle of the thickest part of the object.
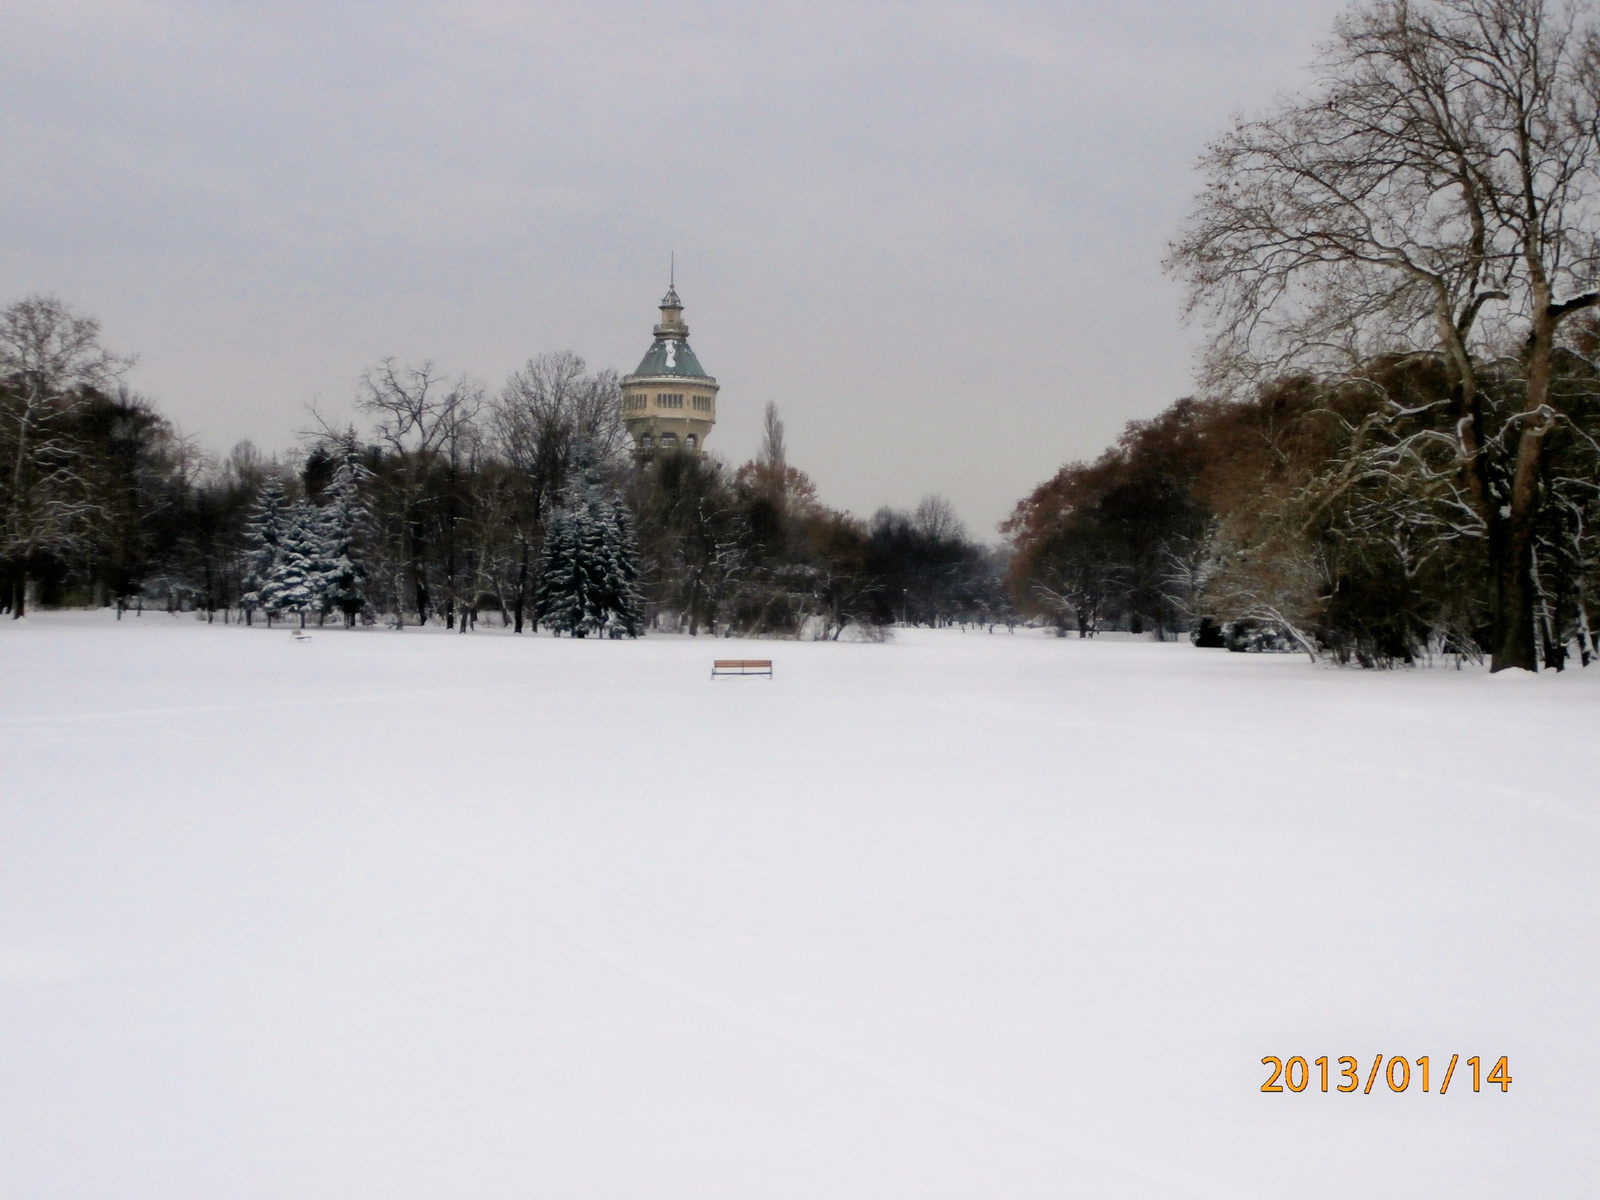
(964, 915)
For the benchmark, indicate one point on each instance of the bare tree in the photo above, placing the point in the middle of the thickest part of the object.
(774, 454)
(50, 357)
(543, 411)
(1076, 577)
(770, 476)
(428, 426)
(936, 520)
(553, 400)
(1434, 193)
(768, 479)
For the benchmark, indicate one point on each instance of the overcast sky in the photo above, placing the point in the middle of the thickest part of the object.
(930, 232)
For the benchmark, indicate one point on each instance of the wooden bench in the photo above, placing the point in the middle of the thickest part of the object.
(742, 666)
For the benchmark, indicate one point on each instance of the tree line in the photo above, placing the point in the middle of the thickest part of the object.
(1397, 448)
(1394, 452)
(455, 501)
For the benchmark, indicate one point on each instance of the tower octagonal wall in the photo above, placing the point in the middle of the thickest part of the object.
(669, 402)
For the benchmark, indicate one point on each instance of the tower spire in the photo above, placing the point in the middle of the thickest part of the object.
(671, 307)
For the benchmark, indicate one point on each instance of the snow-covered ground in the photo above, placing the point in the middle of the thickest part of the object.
(425, 915)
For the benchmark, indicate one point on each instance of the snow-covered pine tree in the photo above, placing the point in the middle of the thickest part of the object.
(561, 601)
(591, 561)
(624, 602)
(340, 573)
(589, 579)
(264, 535)
(292, 585)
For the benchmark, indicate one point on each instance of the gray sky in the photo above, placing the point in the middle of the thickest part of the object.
(931, 232)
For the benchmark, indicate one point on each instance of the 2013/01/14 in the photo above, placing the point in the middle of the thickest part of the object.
(1296, 1073)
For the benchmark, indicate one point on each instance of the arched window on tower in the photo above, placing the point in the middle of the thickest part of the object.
(668, 440)
(647, 442)
(691, 441)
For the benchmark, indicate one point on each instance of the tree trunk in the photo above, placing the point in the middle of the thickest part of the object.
(1515, 595)
(1515, 645)
(522, 588)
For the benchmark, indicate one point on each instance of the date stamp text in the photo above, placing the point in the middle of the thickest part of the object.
(1399, 1074)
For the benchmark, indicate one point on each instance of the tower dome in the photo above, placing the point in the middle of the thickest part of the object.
(669, 402)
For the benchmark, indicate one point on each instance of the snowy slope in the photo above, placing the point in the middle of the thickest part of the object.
(423, 915)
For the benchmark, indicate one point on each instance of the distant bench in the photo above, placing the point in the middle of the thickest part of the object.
(742, 666)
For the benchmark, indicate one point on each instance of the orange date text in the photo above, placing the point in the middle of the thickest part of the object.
(1398, 1073)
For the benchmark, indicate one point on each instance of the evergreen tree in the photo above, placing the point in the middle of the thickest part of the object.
(264, 534)
(561, 601)
(624, 603)
(293, 585)
(589, 580)
(339, 571)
